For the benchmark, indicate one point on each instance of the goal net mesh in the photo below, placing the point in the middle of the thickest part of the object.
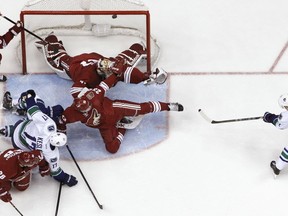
(102, 24)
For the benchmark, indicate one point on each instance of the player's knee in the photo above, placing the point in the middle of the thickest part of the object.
(112, 147)
(22, 184)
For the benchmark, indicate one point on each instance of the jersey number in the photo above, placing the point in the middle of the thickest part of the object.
(88, 62)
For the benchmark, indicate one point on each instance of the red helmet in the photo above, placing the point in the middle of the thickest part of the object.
(28, 159)
(82, 104)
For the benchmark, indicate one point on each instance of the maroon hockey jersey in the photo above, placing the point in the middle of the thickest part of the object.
(11, 170)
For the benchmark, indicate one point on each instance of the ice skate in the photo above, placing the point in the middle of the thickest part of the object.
(7, 101)
(3, 131)
(176, 107)
(129, 122)
(158, 77)
(276, 171)
(3, 78)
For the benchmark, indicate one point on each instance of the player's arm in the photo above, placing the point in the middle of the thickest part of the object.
(5, 196)
(44, 168)
(51, 155)
(279, 121)
(6, 38)
(70, 115)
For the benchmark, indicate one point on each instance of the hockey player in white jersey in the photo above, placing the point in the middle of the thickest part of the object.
(39, 132)
(281, 122)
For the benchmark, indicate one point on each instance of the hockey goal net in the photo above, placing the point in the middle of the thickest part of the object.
(101, 25)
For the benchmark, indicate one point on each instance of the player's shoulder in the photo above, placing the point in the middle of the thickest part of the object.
(8, 154)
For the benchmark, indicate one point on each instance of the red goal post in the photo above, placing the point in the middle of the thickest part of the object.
(96, 18)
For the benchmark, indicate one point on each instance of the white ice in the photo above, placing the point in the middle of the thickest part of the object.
(200, 169)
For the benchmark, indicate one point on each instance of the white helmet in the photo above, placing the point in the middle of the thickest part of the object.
(283, 101)
(58, 139)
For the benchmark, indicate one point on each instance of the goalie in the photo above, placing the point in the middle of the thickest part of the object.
(89, 69)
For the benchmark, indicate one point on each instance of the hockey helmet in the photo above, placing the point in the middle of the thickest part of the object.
(283, 101)
(82, 105)
(58, 139)
(27, 159)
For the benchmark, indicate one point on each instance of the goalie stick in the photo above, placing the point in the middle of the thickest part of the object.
(227, 120)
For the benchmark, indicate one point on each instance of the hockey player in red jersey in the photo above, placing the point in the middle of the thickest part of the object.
(5, 40)
(93, 109)
(89, 69)
(15, 170)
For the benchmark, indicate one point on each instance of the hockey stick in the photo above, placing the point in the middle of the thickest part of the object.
(23, 28)
(16, 208)
(228, 120)
(58, 199)
(100, 206)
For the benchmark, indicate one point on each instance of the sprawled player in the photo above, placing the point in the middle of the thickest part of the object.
(20, 107)
(39, 132)
(89, 69)
(16, 169)
(6, 38)
(93, 109)
(281, 122)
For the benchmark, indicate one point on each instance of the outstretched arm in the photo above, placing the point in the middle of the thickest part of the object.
(6, 38)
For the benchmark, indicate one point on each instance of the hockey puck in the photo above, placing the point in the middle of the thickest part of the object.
(114, 16)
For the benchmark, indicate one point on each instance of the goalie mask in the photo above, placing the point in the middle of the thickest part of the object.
(104, 65)
(58, 139)
(27, 159)
(283, 101)
(82, 105)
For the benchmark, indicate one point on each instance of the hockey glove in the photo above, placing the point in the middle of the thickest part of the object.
(22, 100)
(70, 180)
(17, 28)
(118, 67)
(6, 196)
(31, 92)
(269, 117)
(65, 178)
(44, 170)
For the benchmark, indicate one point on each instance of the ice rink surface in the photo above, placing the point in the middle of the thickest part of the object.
(219, 55)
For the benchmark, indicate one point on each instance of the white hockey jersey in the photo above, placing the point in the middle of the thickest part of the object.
(282, 120)
(33, 134)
